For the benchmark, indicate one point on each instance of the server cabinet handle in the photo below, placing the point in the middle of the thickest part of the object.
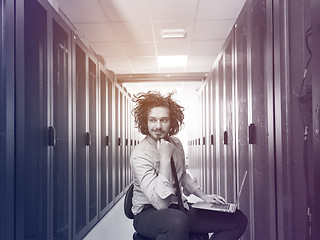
(107, 141)
(131, 142)
(52, 136)
(119, 141)
(225, 137)
(127, 142)
(212, 139)
(203, 140)
(88, 143)
(252, 133)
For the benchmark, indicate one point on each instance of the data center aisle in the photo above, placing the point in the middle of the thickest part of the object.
(113, 226)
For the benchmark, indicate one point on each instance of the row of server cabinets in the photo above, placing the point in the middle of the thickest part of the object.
(73, 130)
(247, 120)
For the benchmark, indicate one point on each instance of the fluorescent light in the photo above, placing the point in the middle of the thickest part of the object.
(172, 61)
(173, 33)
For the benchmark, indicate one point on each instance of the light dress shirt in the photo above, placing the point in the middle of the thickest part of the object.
(150, 187)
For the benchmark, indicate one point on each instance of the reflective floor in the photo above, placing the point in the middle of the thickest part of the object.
(114, 226)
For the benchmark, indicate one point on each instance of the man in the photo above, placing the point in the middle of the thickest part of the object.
(158, 212)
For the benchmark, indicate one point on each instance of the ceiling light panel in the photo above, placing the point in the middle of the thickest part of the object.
(173, 33)
(159, 26)
(172, 61)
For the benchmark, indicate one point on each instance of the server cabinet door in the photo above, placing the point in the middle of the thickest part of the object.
(93, 157)
(262, 163)
(2, 134)
(32, 124)
(104, 143)
(110, 163)
(241, 92)
(60, 136)
(228, 135)
(7, 112)
(116, 160)
(221, 159)
(80, 141)
(213, 123)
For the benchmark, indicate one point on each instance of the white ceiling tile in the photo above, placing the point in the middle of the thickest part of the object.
(172, 48)
(131, 32)
(146, 70)
(81, 11)
(108, 49)
(141, 62)
(126, 10)
(139, 48)
(204, 60)
(122, 70)
(206, 47)
(97, 32)
(219, 9)
(193, 68)
(117, 62)
(210, 30)
(173, 10)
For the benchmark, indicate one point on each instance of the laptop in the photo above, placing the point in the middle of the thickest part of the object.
(222, 207)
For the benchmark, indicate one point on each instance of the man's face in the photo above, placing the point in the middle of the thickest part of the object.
(159, 122)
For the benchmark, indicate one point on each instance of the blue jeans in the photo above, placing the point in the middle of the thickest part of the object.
(173, 224)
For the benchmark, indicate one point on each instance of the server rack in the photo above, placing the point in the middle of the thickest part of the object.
(67, 175)
(241, 115)
(7, 102)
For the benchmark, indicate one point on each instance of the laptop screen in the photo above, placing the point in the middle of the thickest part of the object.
(241, 187)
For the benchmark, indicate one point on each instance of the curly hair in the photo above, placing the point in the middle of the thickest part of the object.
(146, 101)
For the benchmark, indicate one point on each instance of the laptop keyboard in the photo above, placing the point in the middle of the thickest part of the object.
(221, 206)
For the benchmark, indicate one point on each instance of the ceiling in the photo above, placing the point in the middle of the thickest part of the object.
(127, 34)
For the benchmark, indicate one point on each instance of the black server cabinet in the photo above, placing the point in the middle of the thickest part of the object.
(43, 120)
(7, 77)
(261, 164)
(93, 146)
(228, 134)
(105, 159)
(110, 162)
(121, 142)
(315, 6)
(60, 132)
(221, 158)
(213, 134)
(116, 160)
(32, 129)
(85, 153)
(80, 142)
(241, 107)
